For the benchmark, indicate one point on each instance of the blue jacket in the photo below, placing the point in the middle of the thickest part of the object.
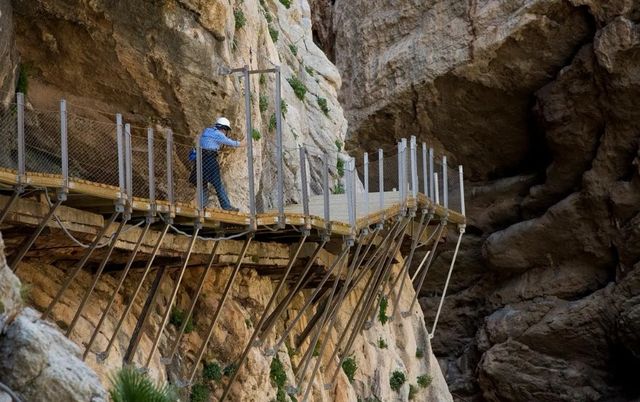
(213, 139)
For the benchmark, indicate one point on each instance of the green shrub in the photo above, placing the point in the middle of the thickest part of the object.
(322, 102)
(316, 350)
(199, 393)
(382, 313)
(229, 369)
(349, 366)
(273, 33)
(272, 122)
(131, 385)
(338, 188)
(263, 103)
(298, 87)
(397, 379)
(23, 80)
(286, 3)
(263, 79)
(382, 344)
(277, 373)
(339, 145)
(309, 70)
(212, 371)
(419, 353)
(413, 391)
(284, 108)
(424, 380)
(340, 167)
(281, 396)
(294, 49)
(255, 134)
(268, 17)
(177, 318)
(239, 17)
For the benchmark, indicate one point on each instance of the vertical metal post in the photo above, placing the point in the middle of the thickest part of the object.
(366, 187)
(121, 167)
(425, 178)
(445, 182)
(247, 111)
(201, 203)
(400, 171)
(305, 187)
(128, 163)
(437, 190)
(170, 171)
(405, 181)
(279, 159)
(152, 170)
(461, 178)
(381, 179)
(414, 168)
(351, 194)
(327, 191)
(64, 145)
(21, 139)
(431, 172)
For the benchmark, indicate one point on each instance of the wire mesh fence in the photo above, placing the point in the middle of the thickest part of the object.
(9, 136)
(43, 152)
(184, 174)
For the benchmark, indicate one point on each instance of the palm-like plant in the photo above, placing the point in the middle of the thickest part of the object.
(131, 385)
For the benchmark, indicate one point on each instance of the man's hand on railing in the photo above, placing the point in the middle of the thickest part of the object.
(243, 143)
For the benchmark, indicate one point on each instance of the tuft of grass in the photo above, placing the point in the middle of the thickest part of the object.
(413, 391)
(309, 70)
(419, 353)
(177, 318)
(240, 19)
(298, 87)
(23, 79)
(229, 369)
(268, 17)
(212, 371)
(281, 396)
(340, 167)
(322, 102)
(286, 3)
(263, 103)
(199, 393)
(294, 49)
(263, 79)
(316, 350)
(339, 145)
(277, 373)
(382, 344)
(338, 188)
(248, 323)
(349, 366)
(396, 380)
(131, 385)
(25, 293)
(273, 33)
(284, 108)
(272, 122)
(424, 380)
(382, 313)
(255, 134)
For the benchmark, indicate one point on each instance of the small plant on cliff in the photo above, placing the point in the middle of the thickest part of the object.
(382, 313)
(283, 107)
(212, 371)
(255, 134)
(25, 293)
(338, 188)
(286, 3)
(396, 380)
(413, 391)
(382, 344)
(349, 366)
(322, 102)
(229, 369)
(277, 373)
(272, 122)
(309, 70)
(316, 350)
(273, 32)
(131, 385)
(419, 353)
(263, 103)
(294, 49)
(340, 167)
(199, 393)
(239, 17)
(298, 87)
(177, 318)
(424, 380)
(339, 145)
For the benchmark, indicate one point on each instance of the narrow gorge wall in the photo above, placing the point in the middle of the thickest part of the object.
(538, 99)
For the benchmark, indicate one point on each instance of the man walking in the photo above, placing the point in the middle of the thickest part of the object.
(211, 140)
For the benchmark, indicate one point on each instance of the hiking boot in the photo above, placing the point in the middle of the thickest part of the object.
(231, 209)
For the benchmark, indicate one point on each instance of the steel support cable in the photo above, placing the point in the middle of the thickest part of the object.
(367, 292)
(323, 320)
(260, 323)
(123, 276)
(423, 275)
(446, 284)
(128, 308)
(221, 303)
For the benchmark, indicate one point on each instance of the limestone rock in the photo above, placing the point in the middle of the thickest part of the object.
(8, 69)
(40, 364)
(10, 297)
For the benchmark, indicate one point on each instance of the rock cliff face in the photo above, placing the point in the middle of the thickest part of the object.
(537, 98)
